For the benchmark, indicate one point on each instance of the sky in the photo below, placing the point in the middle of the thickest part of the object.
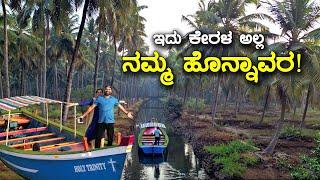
(164, 16)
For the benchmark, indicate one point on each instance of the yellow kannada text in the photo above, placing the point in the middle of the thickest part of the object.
(192, 63)
(152, 64)
(244, 64)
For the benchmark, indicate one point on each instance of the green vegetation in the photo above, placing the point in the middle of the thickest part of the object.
(290, 132)
(194, 104)
(173, 106)
(234, 156)
(308, 167)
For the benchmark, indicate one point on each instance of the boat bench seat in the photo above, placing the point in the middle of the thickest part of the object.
(40, 141)
(150, 135)
(28, 137)
(23, 131)
(59, 145)
(152, 143)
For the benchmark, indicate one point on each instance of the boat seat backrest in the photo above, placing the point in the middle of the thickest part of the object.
(23, 131)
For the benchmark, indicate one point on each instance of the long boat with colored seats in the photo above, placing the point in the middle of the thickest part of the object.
(146, 139)
(43, 149)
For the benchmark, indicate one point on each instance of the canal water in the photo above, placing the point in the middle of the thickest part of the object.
(178, 163)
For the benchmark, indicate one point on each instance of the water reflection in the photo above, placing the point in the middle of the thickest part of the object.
(179, 162)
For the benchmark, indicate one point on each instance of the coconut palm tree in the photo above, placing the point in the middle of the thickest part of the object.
(73, 60)
(102, 24)
(117, 15)
(225, 15)
(5, 51)
(25, 41)
(297, 20)
(132, 36)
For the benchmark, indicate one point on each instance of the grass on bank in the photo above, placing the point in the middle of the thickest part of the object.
(233, 157)
(308, 166)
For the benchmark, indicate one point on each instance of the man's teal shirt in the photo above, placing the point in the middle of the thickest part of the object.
(106, 108)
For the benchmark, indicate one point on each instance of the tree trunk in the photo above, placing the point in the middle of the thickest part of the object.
(237, 98)
(23, 77)
(125, 88)
(96, 67)
(40, 80)
(21, 74)
(215, 100)
(225, 101)
(265, 104)
(1, 87)
(82, 78)
(115, 59)
(44, 68)
(5, 53)
(37, 84)
(294, 111)
(306, 106)
(73, 61)
(55, 81)
(186, 85)
(102, 79)
(197, 96)
(121, 83)
(283, 98)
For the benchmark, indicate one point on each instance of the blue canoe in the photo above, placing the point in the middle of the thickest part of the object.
(146, 138)
(62, 153)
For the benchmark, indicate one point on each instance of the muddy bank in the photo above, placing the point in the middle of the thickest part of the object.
(198, 131)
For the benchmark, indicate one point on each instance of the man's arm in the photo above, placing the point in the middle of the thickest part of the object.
(86, 103)
(129, 114)
(88, 110)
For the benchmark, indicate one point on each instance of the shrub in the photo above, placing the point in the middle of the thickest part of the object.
(173, 107)
(249, 159)
(317, 150)
(233, 157)
(290, 132)
(232, 147)
(83, 94)
(309, 167)
(191, 103)
(300, 173)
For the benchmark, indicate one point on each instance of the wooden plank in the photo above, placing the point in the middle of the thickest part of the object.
(51, 145)
(152, 137)
(23, 131)
(151, 141)
(28, 137)
(40, 141)
(59, 145)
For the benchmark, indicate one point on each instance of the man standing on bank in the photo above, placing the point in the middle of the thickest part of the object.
(106, 106)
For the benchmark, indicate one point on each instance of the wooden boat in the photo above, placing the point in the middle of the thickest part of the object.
(146, 138)
(20, 120)
(62, 152)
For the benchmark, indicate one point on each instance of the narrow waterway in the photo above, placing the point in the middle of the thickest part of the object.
(178, 163)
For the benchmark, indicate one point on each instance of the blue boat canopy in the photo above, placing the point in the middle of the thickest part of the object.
(152, 124)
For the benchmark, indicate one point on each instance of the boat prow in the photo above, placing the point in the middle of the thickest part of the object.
(102, 163)
(61, 153)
